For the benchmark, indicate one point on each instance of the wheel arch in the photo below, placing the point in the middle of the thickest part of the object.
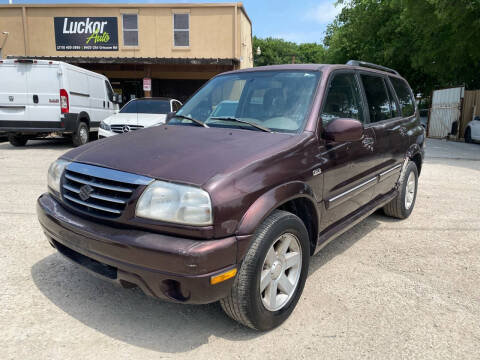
(84, 117)
(296, 197)
(415, 154)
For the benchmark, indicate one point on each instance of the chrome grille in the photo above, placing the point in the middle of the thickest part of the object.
(99, 191)
(119, 128)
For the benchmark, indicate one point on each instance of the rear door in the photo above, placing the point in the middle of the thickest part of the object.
(348, 177)
(13, 93)
(43, 95)
(78, 89)
(390, 131)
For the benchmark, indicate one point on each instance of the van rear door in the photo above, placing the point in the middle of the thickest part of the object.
(43, 95)
(13, 93)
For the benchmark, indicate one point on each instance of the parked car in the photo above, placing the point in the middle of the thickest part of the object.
(231, 208)
(472, 131)
(137, 114)
(40, 97)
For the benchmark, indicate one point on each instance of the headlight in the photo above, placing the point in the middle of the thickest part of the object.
(55, 172)
(175, 203)
(104, 125)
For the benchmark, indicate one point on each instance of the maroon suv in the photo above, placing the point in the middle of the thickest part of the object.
(258, 171)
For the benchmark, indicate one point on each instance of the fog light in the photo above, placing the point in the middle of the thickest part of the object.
(223, 276)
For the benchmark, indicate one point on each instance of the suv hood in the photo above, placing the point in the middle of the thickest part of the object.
(145, 120)
(184, 154)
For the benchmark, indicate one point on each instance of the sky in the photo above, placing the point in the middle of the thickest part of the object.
(293, 20)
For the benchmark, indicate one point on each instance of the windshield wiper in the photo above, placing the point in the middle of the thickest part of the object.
(230, 118)
(198, 122)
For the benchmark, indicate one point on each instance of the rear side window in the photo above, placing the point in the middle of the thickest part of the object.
(378, 102)
(343, 99)
(404, 95)
(393, 102)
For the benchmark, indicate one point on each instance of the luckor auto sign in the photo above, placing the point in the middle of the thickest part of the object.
(86, 33)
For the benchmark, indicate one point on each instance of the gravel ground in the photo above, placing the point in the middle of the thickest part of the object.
(385, 289)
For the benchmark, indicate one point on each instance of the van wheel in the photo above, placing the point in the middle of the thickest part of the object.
(401, 207)
(468, 136)
(272, 275)
(17, 140)
(81, 136)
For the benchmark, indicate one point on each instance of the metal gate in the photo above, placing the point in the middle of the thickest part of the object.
(446, 109)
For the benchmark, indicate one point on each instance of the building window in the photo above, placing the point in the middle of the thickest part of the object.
(181, 30)
(130, 29)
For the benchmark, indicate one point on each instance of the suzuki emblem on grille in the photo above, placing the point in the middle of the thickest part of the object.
(85, 192)
(126, 128)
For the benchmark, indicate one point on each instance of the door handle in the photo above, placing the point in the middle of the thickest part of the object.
(35, 99)
(104, 103)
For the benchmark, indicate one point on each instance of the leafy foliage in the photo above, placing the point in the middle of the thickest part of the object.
(278, 51)
(432, 43)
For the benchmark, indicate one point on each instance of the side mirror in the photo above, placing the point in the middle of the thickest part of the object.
(169, 116)
(341, 130)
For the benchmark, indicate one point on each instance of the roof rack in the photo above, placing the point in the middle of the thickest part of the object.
(372, 66)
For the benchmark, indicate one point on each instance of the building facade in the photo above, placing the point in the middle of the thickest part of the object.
(177, 46)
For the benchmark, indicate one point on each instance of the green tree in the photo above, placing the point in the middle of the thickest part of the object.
(278, 51)
(432, 43)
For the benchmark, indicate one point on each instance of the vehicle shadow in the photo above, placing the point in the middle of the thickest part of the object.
(51, 143)
(346, 240)
(130, 316)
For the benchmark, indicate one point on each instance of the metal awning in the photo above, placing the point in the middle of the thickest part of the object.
(130, 60)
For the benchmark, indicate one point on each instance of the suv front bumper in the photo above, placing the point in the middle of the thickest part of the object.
(162, 266)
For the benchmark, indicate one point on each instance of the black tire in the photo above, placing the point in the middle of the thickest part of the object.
(397, 208)
(244, 304)
(468, 136)
(81, 135)
(18, 140)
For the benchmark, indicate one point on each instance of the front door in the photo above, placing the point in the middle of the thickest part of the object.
(348, 178)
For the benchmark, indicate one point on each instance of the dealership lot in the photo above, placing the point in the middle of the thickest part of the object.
(384, 289)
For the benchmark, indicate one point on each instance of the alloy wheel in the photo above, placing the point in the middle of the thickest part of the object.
(280, 272)
(410, 190)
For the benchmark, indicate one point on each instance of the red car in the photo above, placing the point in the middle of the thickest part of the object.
(231, 207)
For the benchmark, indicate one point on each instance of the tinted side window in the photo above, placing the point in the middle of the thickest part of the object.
(393, 102)
(377, 98)
(404, 95)
(343, 99)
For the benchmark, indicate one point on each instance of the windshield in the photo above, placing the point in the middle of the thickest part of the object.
(147, 107)
(276, 100)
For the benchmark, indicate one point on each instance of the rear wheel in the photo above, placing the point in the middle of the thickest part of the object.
(81, 136)
(272, 275)
(468, 136)
(401, 207)
(17, 140)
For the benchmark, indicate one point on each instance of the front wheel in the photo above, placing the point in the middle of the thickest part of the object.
(272, 275)
(402, 206)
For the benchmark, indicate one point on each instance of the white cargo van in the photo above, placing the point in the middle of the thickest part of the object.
(40, 97)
